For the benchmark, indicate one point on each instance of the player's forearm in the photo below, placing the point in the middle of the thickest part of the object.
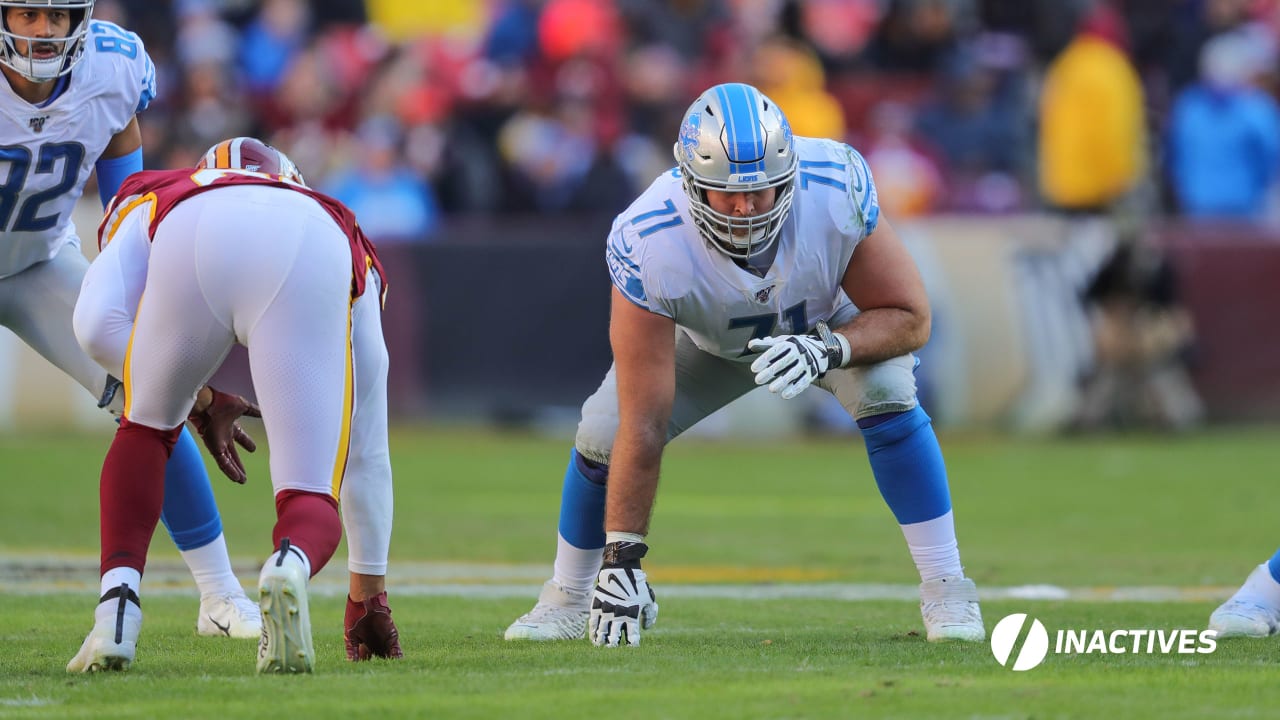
(879, 334)
(633, 481)
(113, 171)
(101, 321)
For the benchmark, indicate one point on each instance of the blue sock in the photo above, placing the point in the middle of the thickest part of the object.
(582, 503)
(907, 463)
(190, 513)
(1274, 566)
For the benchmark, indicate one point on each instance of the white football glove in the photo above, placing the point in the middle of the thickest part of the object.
(623, 602)
(791, 363)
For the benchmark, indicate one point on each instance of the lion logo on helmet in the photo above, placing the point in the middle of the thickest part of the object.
(691, 135)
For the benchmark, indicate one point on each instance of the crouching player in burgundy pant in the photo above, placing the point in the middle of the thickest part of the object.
(241, 251)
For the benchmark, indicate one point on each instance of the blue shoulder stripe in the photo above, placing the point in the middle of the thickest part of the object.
(148, 87)
(625, 274)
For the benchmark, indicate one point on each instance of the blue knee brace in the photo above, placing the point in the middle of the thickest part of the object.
(190, 513)
(908, 467)
(582, 503)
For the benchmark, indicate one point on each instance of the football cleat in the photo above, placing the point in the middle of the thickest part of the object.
(369, 631)
(229, 615)
(950, 610)
(1252, 611)
(285, 644)
(560, 614)
(113, 641)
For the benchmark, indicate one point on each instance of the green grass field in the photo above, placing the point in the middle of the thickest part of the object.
(1096, 517)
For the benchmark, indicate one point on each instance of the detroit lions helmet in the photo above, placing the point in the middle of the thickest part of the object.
(66, 52)
(735, 139)
(246, 153)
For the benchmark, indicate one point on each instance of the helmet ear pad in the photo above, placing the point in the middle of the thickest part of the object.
(735, 139)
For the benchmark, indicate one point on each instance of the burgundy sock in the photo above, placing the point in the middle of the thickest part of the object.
(311, 522)
(131, 493)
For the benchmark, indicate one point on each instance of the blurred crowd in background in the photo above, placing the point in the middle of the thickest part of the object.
(412, 112)
(445, 122)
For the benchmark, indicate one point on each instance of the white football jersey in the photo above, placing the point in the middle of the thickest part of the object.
(660, 262)
(47, 153)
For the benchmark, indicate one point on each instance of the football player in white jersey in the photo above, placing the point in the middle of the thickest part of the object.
(73, 88)
(761, 259)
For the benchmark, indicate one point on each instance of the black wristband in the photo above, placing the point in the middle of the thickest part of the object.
(109, 391)
(835, 351)
(624, 554)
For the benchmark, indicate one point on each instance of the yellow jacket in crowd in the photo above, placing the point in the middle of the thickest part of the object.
(1093, 134)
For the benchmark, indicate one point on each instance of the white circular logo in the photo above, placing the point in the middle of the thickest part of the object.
(1005, 635)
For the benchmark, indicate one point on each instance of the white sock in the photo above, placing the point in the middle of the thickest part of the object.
(575, 568)
(107, 613)
(295, 555)
(934, 548)
(115, 577)
(211, 567)
(1260, 587)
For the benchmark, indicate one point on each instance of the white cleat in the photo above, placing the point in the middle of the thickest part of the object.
(561, 614)
(1253, 611)
(229, 615)
(950, 610)
(113, 641)
(285, 644)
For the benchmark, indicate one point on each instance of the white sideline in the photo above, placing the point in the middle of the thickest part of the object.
(43, 574)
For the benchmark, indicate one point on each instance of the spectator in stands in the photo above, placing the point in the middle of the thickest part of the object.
(698, 30)
(396, 209)
(392, 202)
(1224, 135)
(1093, 139)
(655, 78)
(790, 73)
(271, 42)
(1194, 23)
(909, 179)
(981, 134)
(1093, 170)
(918, 35)
(838, 29)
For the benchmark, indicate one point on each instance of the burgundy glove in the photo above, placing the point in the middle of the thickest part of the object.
(217, 426)
(369, 631)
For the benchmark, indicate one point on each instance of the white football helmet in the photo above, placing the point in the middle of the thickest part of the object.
(247, 153)
(735, 139)
(67, 51)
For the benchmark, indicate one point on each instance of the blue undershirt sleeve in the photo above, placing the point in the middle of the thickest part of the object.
(113, 171)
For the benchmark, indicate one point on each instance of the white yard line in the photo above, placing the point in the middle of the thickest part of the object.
(39, 574)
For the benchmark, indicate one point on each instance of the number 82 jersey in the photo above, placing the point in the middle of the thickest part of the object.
(47, 153)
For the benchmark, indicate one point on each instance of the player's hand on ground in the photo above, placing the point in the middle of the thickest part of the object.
(790, 363)
(623, 603)
(217, 424)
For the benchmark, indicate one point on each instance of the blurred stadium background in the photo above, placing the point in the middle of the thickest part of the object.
(1089, 187)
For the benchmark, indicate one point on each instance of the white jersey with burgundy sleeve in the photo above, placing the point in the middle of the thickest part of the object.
(660, 262)
(48, 152)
